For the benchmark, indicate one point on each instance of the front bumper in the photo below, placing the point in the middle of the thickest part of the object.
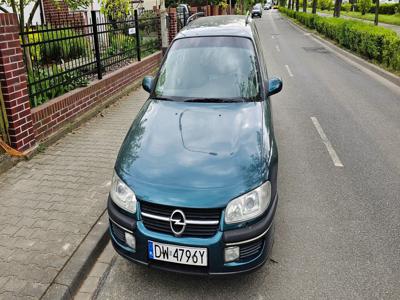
(260, 235)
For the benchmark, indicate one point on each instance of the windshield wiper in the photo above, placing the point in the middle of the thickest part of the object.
(215, 100)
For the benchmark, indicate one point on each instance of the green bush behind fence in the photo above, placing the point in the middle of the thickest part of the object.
(373, 42)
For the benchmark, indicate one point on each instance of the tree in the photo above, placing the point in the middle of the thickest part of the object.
(364, 6)
(377, 12)
(304, 5)
(116, 9)
(314, 6)
(297, 5)
(336, 11)
(289, 4)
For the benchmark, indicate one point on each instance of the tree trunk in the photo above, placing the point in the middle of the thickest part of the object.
(377, 12)
(292, 4)
(314, 7)
(297, 5)
(304, 5)
(336, 10)
(289, 4)
(339, 8)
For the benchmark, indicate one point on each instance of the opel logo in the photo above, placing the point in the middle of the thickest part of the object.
(177, 221)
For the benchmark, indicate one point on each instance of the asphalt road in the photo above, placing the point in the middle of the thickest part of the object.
(338, 228)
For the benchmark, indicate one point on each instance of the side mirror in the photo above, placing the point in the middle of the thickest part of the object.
(147, 83)
(274, 85)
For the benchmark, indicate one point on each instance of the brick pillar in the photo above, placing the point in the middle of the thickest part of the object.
(173, 29)
(209, 10)
(14, 85)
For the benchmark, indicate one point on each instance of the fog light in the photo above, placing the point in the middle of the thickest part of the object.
(130, 240)
(231, 254)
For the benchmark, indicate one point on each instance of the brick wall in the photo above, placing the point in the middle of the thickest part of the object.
(57, 13)
(14, 85)
(52, 115)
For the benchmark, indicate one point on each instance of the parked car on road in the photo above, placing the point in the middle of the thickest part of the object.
(195, 182)
(183, 13)
(268, 6)
(256, 11)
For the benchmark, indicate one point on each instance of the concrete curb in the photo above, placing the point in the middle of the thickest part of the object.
(356, 59)
(68, 281)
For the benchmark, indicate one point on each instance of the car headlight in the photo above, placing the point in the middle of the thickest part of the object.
(249, 205)
(122, 195)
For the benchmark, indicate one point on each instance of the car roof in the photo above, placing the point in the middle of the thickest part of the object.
(230, 25)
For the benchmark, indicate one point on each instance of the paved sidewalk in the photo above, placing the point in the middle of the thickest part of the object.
(50, 203)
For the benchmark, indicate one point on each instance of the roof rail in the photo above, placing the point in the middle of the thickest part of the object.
(194, 16)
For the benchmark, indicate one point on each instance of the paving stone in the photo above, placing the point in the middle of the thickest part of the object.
(3, 281)
(14, 285)
(50, 203)
(33, 289)
(8, 296)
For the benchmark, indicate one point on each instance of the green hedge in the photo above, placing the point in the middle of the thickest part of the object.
(386, 9)
(373, 42)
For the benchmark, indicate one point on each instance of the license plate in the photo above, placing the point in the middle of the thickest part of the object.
(178, 254)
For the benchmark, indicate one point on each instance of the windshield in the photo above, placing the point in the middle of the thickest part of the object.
(205, 68)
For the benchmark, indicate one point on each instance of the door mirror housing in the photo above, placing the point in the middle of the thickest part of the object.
(274, 86)
(147, 83)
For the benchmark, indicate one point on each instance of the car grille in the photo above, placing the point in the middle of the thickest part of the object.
(251, 249)
(119, 233)
(193, 214)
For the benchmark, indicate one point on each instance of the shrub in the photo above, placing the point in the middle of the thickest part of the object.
(346, 7)
(52, 82)
(62, 45)
(364, 6)
(325, 4)
(373, 42)
(121, 44)
(386, 8)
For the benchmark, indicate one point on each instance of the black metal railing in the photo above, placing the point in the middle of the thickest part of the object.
(60, 58)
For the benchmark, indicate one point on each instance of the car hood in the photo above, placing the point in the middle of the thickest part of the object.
(194, 154)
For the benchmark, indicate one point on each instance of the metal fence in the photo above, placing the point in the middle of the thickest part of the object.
(60, 58)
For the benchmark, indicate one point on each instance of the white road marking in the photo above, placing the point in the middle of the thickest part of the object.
(288, 70)
(277, 48)
(66, 246)
(328, 145)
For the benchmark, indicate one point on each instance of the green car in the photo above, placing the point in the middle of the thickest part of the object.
(195, 182)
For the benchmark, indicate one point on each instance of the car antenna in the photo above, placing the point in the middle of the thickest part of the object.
(247, 18)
